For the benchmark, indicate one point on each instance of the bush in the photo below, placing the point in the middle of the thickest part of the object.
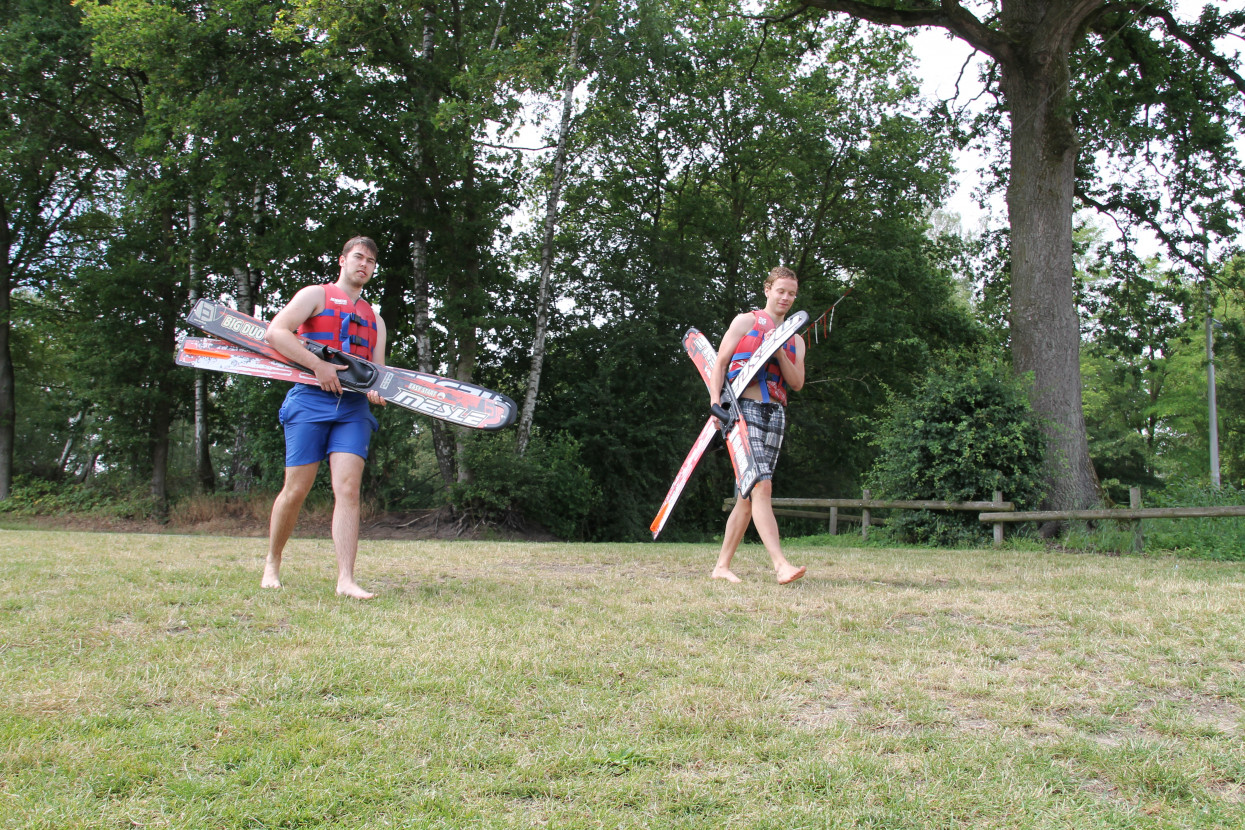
(549, 484)
(967, 431)
(1221, 538)
(32, 496)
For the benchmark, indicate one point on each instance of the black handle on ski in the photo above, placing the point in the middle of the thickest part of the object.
(358, 375)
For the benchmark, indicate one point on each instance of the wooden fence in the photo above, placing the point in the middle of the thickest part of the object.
(996, 512)
(1133, 514)
(830, 510)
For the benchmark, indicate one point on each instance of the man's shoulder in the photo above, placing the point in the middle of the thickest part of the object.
(313, 294)
(306, 303)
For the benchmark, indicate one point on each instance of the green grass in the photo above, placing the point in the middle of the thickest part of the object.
(148, 682)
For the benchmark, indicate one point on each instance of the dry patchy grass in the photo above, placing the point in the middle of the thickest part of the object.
(149, 682)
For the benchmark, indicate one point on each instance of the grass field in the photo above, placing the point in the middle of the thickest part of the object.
(147, 681)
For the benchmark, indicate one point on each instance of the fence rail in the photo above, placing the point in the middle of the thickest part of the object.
(866, 505)
(1133, 514)
(996, 512)
(1117, 513)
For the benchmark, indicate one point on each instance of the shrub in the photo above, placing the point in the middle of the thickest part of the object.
(549, 484)
(966, 431)
(1220, 538)
(32, 496)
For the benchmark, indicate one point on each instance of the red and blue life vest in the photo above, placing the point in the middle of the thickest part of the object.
(770, 376)
(344, 325)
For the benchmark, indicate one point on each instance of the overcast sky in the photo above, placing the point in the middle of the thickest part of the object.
(941, 59)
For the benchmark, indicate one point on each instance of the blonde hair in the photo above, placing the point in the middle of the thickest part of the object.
(780, 272)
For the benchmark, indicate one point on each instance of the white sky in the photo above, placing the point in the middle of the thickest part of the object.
(940, 61)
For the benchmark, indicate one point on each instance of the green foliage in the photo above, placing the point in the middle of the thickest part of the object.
(1161, 113)
(133, 385)
(401, 471)
(107, 499)
(1217, 538)
(705, 172)
(1135, 321)
(51, 426)
(1144, 364)
(965, 432)
(549, 484)
(632, 400)
(248, 442)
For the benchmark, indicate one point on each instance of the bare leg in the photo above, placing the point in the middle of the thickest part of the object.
(347, 470)
(736, 526)
(285, 509)
(767, 529)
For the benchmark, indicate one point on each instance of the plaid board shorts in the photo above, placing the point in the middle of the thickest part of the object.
(766, 424)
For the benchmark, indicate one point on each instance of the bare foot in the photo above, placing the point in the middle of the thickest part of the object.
(790, 573)
(725, 573)
(353, 591)
(270, 580)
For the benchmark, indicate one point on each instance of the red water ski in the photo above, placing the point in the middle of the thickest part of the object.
(455, 401)
(734, 428)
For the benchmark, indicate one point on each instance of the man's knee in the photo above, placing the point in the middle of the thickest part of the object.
(347, 475)
(298, 481)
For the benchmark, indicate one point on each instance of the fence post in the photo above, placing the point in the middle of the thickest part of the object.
(998, 526)
(834, 521)
(864, 517)
(1139, 539)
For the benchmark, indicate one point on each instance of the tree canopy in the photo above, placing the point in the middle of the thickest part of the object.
(586, 181)
(1083, 90)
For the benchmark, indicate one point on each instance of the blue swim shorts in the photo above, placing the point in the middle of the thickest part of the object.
(308, 443)
(318, 423)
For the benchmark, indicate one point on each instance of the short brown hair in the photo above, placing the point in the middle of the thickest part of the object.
(780, 272)
(361, 242)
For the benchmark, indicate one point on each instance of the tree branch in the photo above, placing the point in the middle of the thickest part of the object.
(1170, 241)
(946, 14)
(1174, 28)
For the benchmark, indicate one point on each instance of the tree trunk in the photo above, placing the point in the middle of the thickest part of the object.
(246, 281)
(442, 437)
(62, 466)
(204, 474)
(1045, 329)
(162, 418)
(8, 389)
(240, 472)
(466, 368)
(160, 425)
(464, 310)
(546, 248)
(442, 440)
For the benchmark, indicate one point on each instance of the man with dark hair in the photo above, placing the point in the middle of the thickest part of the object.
(762, 405)
(327, 421)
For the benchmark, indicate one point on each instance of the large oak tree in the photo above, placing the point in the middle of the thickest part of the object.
(1037, 49)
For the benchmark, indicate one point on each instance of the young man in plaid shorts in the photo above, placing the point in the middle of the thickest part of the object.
(763, 407)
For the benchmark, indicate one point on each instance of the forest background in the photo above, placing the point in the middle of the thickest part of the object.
(559, 191)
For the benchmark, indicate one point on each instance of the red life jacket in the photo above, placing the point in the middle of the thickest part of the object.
(770, 376)
(350, 327)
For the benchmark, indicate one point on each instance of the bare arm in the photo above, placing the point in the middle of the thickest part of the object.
(306, 304)
(382, 335)
(793, 370)
(378, 357)
(740, 326)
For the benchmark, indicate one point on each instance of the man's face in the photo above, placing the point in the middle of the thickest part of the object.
(782, 293)
(358, 265)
